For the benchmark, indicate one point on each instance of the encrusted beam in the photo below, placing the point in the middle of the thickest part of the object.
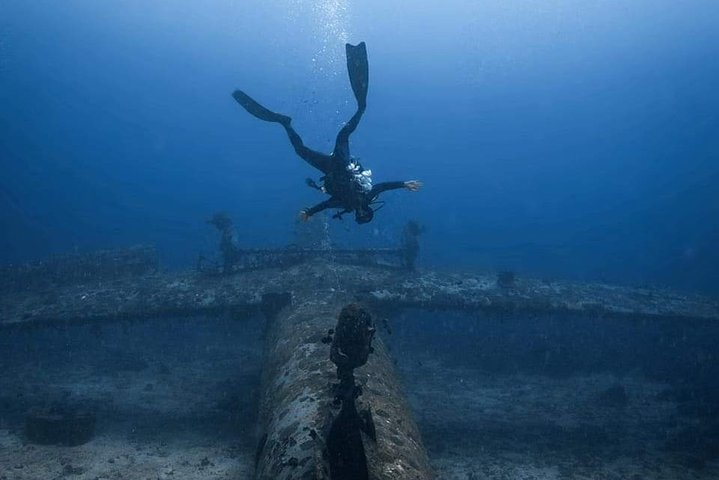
(190, 293)
(485, 292)
(304, 434)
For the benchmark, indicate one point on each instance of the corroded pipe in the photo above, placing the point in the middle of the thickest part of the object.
(299, 406)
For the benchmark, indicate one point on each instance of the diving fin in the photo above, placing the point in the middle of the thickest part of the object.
(358, 69)
(257, 110)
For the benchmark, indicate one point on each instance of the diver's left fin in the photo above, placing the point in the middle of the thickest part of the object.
(257, 110)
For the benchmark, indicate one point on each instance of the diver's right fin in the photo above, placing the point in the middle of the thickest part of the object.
(358, 69)
(257, 110)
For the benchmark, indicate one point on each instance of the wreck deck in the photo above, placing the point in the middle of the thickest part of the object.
(157, 295)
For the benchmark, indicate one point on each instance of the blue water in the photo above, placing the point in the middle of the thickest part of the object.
(560, 138)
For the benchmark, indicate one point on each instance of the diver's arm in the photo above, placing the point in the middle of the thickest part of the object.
(306, 213)
(411, 185)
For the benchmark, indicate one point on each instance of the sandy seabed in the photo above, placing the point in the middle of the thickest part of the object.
(177, 400)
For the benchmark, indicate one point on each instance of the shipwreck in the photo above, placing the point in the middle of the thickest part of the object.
(331, 405)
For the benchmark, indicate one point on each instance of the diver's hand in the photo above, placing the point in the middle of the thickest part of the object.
(413, 185)
(303, 215)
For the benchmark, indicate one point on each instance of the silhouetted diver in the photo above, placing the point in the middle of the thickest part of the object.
(345, 181)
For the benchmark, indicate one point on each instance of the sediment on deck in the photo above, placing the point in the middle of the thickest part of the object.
(138, 291)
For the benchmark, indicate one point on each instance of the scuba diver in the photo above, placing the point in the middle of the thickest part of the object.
(347, 183)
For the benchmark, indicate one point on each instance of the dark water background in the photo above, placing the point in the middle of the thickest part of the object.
(561, 138)
(574, 139)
